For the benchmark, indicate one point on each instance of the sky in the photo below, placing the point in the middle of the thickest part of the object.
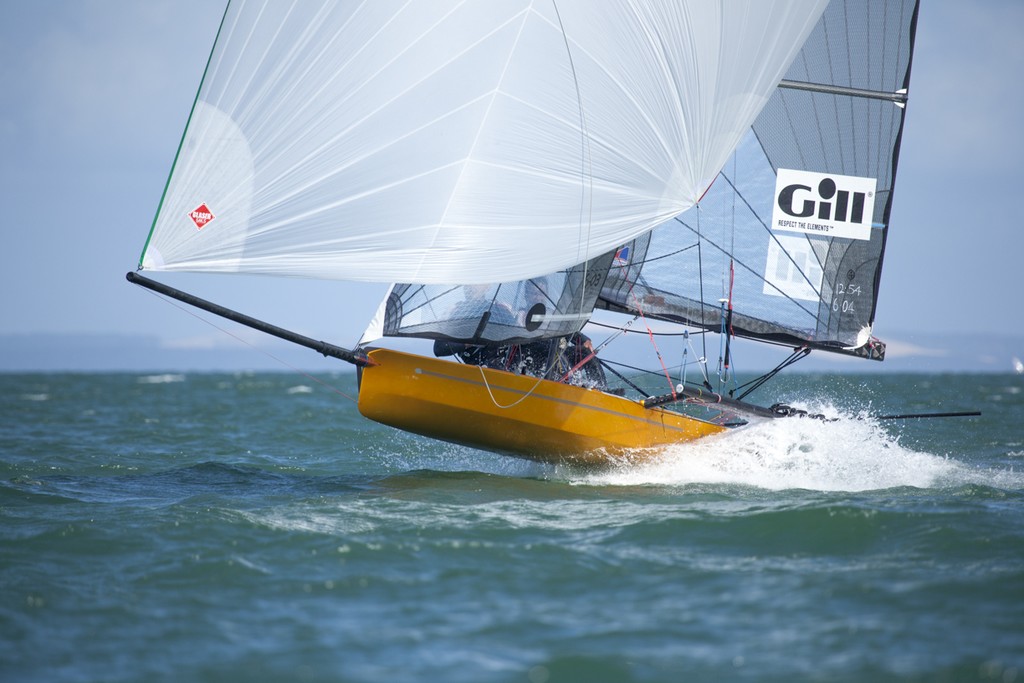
(94, 95)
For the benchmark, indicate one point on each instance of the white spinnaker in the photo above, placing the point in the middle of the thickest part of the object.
(461, 140)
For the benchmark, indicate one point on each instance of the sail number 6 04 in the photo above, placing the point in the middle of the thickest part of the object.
(845, 305)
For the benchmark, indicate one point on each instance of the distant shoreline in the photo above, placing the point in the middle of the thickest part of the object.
(149, 354)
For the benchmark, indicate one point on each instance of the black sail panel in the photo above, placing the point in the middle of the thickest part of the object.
(792, 233)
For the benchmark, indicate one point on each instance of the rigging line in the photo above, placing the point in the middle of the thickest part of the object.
(656, 334)
(253, 346)
(700, 279)
(765, 378)
(620, 364)
(701, 361)
(684, 361)
(428, 300)
(663, 256)
(645, 371)
(490, 393)
(727, 319)
(586, 168)
(594, 352)
(638, 308)
(798, 354)
(653, 373)
(721, 341)
(764, 225)
(637, 305)
(732, 232)
(727, 325)
(753, 272)
(607, 366)
(657, 352)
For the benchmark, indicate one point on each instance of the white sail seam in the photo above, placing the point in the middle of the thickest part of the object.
(311, 30)
(333, 140)
(476, 139)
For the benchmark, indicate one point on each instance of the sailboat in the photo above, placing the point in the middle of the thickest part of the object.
(726, 167)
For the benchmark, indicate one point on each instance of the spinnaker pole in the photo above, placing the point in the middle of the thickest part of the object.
(355, 357)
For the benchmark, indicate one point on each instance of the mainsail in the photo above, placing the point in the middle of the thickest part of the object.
(459, 141)
(787, 244)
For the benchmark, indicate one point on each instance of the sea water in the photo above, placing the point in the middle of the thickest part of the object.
(253, 527)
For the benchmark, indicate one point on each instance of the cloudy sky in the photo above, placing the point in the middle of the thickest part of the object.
(94, 95)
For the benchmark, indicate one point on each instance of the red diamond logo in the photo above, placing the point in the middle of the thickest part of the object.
(201, 215)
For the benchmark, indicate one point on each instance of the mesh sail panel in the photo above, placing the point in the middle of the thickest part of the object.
(555, 305)
(791, 234)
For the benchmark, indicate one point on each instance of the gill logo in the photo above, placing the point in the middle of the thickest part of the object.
(828, 205)
(826, 191)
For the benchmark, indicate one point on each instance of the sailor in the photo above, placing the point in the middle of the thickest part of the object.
(590, 373)
(555, 359)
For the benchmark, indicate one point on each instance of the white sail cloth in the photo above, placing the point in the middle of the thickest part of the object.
(461, 141)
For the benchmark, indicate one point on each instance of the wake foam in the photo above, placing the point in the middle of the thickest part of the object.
(853, 453)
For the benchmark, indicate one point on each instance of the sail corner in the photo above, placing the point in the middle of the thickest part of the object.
(874, 349)
(152, 259)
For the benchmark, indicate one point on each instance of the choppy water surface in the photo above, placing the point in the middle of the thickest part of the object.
(254, 527)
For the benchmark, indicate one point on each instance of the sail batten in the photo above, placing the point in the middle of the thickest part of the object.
(897, 96)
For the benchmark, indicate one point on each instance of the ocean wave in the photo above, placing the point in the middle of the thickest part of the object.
(161, 379)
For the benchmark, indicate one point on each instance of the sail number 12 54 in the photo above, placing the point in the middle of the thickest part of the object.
(842, 303)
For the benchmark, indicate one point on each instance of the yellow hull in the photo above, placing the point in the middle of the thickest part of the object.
(515, 414)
